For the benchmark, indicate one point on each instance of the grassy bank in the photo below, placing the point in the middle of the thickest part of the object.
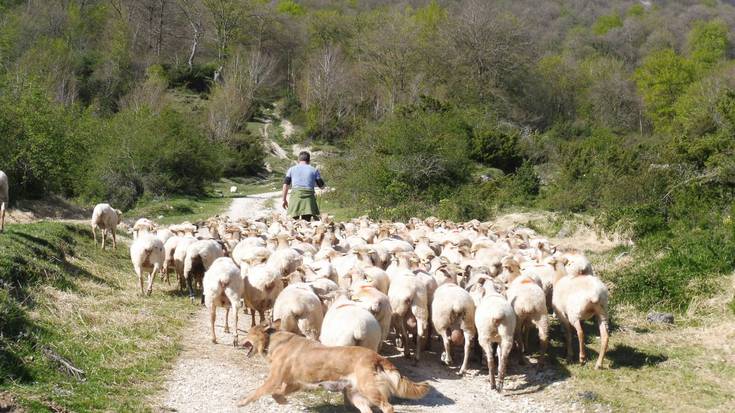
(62, 297)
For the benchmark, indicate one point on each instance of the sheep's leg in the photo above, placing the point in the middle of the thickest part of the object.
(542, 324)
(139, 272)
(490, 354)
(114, 239)
(252, 317)
(404, 336)
(604, 338)
(505, 347)
(189, 286)
(447, 356)
(227, 319)
(468, 337)
(104, 238)
(262, 316)
(518, 340)
(420, 331)
(212, 319)
(152, 276)
(2, 220)
(580, 336)
(567, 334)
(234, 340)
(94, 230)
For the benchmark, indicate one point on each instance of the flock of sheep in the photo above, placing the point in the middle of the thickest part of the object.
(358, 283)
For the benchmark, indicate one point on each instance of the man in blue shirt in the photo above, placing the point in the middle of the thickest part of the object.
(303, 178)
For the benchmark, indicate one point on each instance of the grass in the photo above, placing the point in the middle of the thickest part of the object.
(61, 295)
(689, 366)
(663, 368)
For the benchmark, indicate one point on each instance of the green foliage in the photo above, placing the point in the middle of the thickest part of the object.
(636, 10)
(246, 156)
(42, 151)
(198, 78)
(496, 146)
(290, 7)
(661, 79)
(604, 24)
(684, 267)
(405, 159)
(155, 154)
(708, 43)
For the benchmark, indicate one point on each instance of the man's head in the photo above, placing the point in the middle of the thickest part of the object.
(304, 157)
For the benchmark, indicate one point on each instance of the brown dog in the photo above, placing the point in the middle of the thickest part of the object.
(366, 378)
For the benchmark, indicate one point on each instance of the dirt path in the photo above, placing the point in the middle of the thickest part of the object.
(255, 206)
(211, 377)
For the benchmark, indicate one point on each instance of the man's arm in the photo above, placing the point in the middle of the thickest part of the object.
(318, 179)
(285, 196)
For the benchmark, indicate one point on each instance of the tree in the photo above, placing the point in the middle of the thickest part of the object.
(661, 79)
(708, 43)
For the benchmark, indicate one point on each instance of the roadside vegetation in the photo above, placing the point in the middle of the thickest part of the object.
(64, 299)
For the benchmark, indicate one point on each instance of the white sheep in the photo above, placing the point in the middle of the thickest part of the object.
(578, 298)
(180, 256)
(285, 259)
(169, 248)
(164, 234)
(496, 322)
(299, 310)
(223, 287)
(529, 304)
(144, 225)
(199, 257)
(105, 218)
(147, 255)
(348, 324)
(262, 285)
(409, 301)
(452, 313)
(375, 301)
(5, 199)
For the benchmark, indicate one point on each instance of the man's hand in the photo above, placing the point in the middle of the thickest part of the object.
(285, 204)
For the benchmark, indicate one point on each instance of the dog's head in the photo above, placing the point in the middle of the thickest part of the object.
(258, 337)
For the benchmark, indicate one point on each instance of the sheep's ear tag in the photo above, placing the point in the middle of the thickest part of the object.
(369, 279)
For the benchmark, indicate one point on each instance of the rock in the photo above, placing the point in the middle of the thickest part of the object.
(589, 396)
(660, 318)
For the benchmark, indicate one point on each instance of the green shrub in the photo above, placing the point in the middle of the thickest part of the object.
(246, 156)
(144, 153)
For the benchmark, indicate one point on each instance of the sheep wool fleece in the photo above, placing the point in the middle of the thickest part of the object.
(302, 202)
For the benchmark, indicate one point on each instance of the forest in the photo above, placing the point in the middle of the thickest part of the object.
(455, 108)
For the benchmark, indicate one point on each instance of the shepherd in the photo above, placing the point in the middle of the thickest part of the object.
(303, 178)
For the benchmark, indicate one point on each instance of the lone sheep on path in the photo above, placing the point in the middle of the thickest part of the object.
(106, 218)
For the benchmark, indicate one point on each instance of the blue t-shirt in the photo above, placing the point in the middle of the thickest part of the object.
(303, 176)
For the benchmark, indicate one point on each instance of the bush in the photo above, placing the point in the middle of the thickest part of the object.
(154, 154)
(42, 152)
(410, 159)
(246, 156)
(198, 78)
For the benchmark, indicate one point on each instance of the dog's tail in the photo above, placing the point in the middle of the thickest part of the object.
(400, 386)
